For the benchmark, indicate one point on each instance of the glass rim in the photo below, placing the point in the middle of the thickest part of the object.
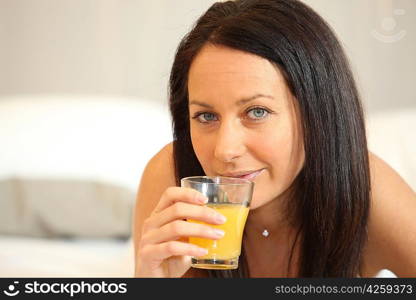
(241, 182)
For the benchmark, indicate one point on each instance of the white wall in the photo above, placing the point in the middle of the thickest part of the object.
(115, 47)
(379, 37)
(125, 48)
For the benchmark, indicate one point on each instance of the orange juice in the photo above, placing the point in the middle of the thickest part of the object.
(228, 247)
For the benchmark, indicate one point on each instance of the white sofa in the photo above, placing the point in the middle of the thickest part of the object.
(105, 142)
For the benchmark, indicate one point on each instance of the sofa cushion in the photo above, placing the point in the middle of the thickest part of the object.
(53, 208)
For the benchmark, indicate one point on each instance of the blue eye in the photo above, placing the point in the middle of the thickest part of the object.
(205, 117)
(257, 113)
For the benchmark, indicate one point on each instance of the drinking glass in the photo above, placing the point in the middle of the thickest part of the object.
(231, 197)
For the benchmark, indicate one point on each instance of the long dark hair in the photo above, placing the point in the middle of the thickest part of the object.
(332, 197)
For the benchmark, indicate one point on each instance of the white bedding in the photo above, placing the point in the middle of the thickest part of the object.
(35, 257)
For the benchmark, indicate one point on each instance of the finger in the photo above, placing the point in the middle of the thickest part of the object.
(180, 228)
(159, 252)
(181, 210)
(175, 194)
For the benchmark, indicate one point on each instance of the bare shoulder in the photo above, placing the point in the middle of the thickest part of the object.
(392, 223)
(160, 167)
(157, 176)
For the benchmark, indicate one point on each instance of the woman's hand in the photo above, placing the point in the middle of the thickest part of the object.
(163, 250)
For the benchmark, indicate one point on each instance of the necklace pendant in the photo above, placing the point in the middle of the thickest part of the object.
(265, 233)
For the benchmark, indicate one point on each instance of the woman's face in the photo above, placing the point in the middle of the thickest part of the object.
(243, 121)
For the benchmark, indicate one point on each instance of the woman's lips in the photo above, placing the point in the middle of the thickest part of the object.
(249, 176)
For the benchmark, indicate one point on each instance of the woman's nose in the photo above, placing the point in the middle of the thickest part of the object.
(229, 142)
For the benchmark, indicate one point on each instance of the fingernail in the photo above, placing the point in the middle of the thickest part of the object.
(202, 251)
(218, 232)
(220, 218)
(202, 199)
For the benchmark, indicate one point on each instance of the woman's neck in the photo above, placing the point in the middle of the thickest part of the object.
(272, 217)
(275, 254)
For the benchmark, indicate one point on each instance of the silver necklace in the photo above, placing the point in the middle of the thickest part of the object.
(265, 233)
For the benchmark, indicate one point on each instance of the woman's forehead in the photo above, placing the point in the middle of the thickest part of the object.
(225, 72)
(213, 59)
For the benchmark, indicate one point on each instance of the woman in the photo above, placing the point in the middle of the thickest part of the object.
(261, 89)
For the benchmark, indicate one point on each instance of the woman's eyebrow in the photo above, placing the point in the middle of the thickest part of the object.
(245, 100)
(195, 102)
(238, 103)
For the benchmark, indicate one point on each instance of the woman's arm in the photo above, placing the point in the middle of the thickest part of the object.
(392, 223)
(156, 178)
